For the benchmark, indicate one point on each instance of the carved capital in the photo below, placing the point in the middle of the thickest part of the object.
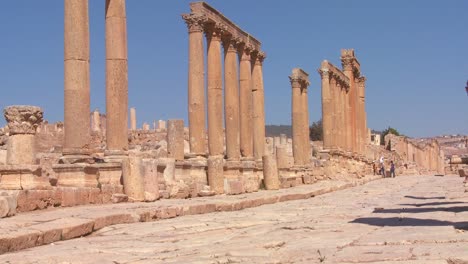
(23, 119)
(230, 43)
(195, 22)
(215, 31)
(324, 73)
(245, 51)
(347, 64)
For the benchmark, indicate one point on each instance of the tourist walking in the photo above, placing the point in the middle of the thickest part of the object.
(392, 169)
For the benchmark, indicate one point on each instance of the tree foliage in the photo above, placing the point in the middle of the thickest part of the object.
(316, 131)
(389, 130)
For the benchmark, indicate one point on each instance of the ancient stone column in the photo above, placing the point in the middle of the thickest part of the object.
(283, 140)
(116, 76)
(231, 99)
(22, 123)
(326, 106)
(196, 84)
(297, 116)
(258, 106)
(347, 60)
(339, 132)
(362, 100)
(175, 139)
(215, 173)
(146, 126)
(305, 123)
(270, 173)
(334, 115)
(214, 91)
(76, 84)
(133, 121)
(245, 102)
(162, 124)
(96, 121)
(347, 121)
(281, 157)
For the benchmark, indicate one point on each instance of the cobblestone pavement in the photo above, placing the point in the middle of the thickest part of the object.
(408, 219)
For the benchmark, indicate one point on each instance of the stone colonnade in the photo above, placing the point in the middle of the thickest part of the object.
(76, 76)
(300, 117)
(343, 105)
(244, 114)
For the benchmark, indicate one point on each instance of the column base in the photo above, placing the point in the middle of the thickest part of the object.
(195, 155)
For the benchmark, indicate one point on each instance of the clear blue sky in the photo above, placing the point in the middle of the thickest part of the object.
(413, 53)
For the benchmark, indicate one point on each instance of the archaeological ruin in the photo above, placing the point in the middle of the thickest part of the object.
(96, 158)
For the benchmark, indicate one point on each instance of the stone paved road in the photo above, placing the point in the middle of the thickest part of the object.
(412, 219)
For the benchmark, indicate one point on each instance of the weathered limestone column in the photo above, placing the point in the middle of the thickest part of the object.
(283, 140)
(215, 91)
(347, 57)
(96, 121)
(22, 123)
(245, 102)
(196, 84)
(362, 112)
(326, 106)
(215, 173)
(305, 110)
(341, 97)
(231, 99)
(270, 173)
(334, 114)
(297, 78)
(258, 107)
(348, 135)
(116, 76)
(281, 157)
(133, 121)
(175, 139)
(76, 80)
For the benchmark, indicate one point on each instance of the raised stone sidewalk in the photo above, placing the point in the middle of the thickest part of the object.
(47, 226)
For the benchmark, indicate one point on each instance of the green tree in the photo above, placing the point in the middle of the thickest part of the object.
(316, 131)
(389, 130)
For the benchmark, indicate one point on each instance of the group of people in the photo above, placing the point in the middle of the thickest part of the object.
(381, 170)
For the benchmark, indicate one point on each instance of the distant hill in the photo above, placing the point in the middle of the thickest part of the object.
(276, 130)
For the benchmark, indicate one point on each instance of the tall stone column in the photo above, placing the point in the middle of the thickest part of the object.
(326, 106)
(305, 123)
(133, 121)
(196, 84)
(116, 76)
(258, 106)
(22, 123)
(76, 80)
(362, 100)
(96, 121)
(334, 115)
(347, 57)
(339, 131)
(215, 91)
(245, 102)
(297, 120)
(347, 129)
(231, 99)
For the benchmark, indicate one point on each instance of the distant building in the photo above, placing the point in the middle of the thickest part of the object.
(375, 139)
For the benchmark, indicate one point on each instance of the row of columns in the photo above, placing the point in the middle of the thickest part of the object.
(300, 117)
(77, 74)
(243, 85)
(343, 105)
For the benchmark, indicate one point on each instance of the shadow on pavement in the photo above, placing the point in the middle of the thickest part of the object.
(454, 209)
(424, 198)
(403, 221)
(429, 204)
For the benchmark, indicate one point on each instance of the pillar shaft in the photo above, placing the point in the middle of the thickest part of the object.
(258, 106)
(231, 101)
(326, 109)
(116, 76)
(76, 80)
(297, 120)
(305, 124)
(215, 93)
(334, 115)
(245, 103)
(196, 84)
(133, 121)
